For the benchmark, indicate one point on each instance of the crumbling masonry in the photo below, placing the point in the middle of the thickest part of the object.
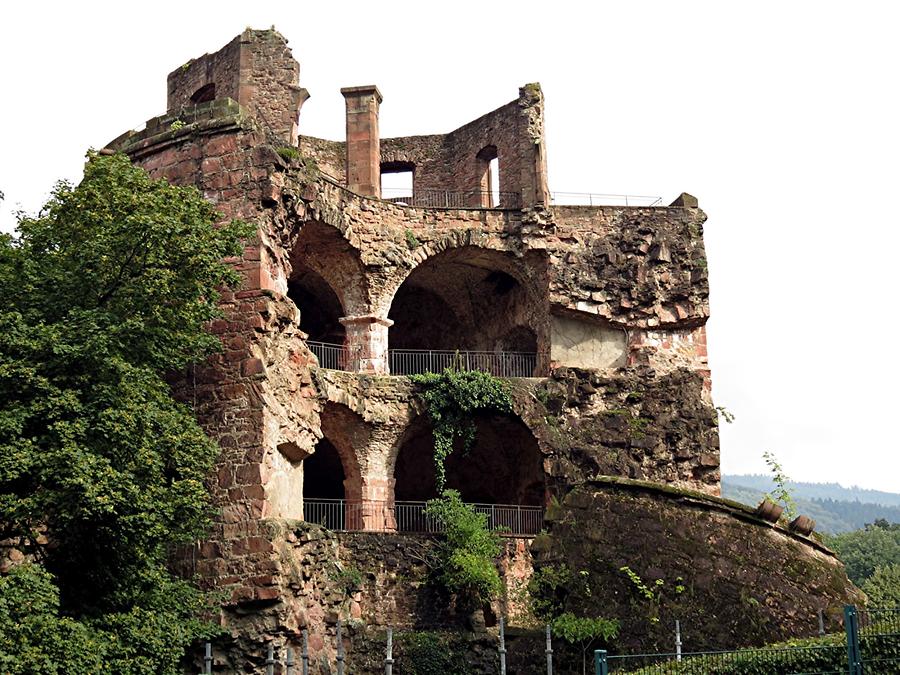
(597, 313)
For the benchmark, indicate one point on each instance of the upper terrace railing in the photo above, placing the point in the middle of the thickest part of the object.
(598, 199)
(380, 516)
(453, 199)
(417, 361)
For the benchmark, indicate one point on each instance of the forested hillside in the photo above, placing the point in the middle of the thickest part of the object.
(834, 508)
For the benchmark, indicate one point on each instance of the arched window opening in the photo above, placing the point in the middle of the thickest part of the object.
(397, 180)
(489, 173)
(503, 467)
(204, 94)
(320, 308)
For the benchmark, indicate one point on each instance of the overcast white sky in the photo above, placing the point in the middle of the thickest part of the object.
(782, 117)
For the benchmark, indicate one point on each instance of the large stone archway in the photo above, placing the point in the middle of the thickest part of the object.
(503, 466)
(470, 299)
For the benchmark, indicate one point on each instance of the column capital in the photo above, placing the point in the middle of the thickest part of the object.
(365, 319)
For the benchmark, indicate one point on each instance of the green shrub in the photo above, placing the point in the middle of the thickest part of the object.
(288, 153)
(465, 556)
(429, 653)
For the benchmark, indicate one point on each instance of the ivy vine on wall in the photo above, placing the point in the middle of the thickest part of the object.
(452, 398)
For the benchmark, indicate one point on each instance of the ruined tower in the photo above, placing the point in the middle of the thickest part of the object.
(596, 314)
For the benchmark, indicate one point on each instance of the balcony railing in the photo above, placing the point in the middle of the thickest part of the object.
(499, 364)
(599, 199)
(453, 199)
(417, 361)
(379, 516)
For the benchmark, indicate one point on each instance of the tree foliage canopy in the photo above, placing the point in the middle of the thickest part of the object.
(862, 551)
(101, 471)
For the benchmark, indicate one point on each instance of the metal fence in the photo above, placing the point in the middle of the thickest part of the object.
(870, 645)
(418, 361)
(827, 655)
(599, 199)
(453, 199)
(819, 660)
(335, 357)
(500, 364)
(381, 516)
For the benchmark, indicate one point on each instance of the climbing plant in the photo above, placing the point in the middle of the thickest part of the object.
(452, 398)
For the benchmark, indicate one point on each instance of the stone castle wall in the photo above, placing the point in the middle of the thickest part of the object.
(629, 282)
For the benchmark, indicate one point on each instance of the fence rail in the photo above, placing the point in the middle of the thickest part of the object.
(818, 660)
(417, 361)
(500, 364)
(453, 199)
(599, 199)
(870, 644)
(379, 516)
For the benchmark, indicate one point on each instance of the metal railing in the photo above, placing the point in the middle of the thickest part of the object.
(379, 516)
(418, 361)
(453, 199)
(499, 364)
(599, 199)
(332, 356)
(870, 644)
(820, 660)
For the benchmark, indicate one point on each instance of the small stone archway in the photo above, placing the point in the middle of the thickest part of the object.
(328, 283)
(504, 466)
(347, 465)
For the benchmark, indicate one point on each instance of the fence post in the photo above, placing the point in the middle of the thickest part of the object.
(304, 655)
(340, 650)
(821, 623)
(270, 660)
(851, 626)
(677, 640)
(502, 649)
(601, 667)
(389, 660)
(289, 662)
(549, 653)
(207, 659)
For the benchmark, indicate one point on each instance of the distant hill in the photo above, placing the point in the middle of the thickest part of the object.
(834, 508)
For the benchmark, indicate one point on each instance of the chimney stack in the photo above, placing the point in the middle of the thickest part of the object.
(363, 143)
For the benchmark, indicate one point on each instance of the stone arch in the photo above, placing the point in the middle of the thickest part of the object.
(332, 476)
(472, 298)
(504, 466)
(322, 249)
(204, 94)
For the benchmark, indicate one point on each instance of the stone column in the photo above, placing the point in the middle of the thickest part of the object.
(363, 142)
(367, 343)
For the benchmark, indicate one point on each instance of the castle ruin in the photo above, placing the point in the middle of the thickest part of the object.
(596, 314)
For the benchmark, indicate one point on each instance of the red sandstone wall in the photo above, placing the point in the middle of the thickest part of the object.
(257, 70)
(450, 162)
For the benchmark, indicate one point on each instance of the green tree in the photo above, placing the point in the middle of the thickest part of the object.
(101, 470)
(862, 551)
(583, 631)
(465, 556)
(883, 587)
